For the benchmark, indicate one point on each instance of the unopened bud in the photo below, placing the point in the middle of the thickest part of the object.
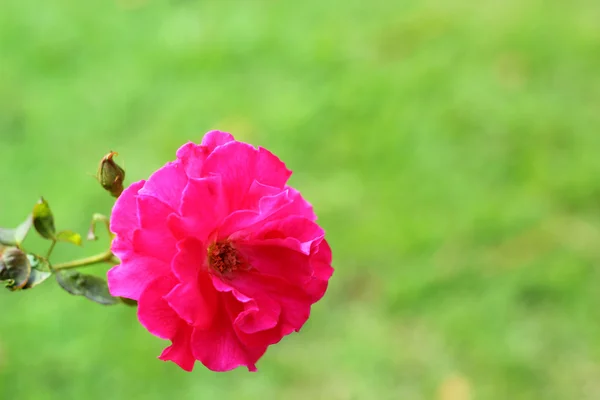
(15, 268)
(110, 175)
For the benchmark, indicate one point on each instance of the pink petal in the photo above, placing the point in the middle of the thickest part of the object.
(157, 244)
(256, 314)
(192, 157)
(279, 261)
(295, 232)
(322, 271)
(153, 213)
(133, 275)
(124, 217)
(321, 261)
(213, 139)
(298, 205)
(234, 162)
(180, 351)
(167, 184)
(219, 348)
(154, 312)
(202, 209)
(195, 298)
(256, 192)
(239, 164)
(270, 170)
(269, 208)
(294, 301)
(194, 305)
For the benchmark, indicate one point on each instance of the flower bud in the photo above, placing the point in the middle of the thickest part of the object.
(15, 268)
(110, 175)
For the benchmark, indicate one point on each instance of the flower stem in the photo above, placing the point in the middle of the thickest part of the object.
(51, 248)
(106, 257)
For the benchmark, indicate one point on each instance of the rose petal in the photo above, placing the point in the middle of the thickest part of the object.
(279, 261)
(194, 303)
(180, 351)
(256, 314)
(153, 213)
(194, 298)
(239, 164)
(157, 244)
(219, 348)
(213, 139)
(154, 312)
(270, 170)
(202, 208)
(124, 218)
(133, 275)
(167, 184)
(294, 301)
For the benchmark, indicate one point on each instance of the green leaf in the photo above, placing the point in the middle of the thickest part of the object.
(40, 271)
(14, 237)
(69, 237)
(92, 287)
(43, 220)
(71, 282)
(15, 268)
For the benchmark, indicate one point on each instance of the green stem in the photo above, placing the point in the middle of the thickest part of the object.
(106, 257)
(51, 248)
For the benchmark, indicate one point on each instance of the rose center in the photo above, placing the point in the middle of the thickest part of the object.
(224, 258)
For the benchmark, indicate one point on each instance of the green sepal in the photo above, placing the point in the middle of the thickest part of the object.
(40, 271)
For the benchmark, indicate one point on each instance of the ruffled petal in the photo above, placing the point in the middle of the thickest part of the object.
(295, 232)
(214, 139)
(257, 314)
(322, 271)
(180, 351)
(192, 155)
(154, 312)
(135, 272)
(219, 348)
(295, 302)
(255, 320)
(157, 244)
(270, 208)
(240, 164)
(194, 298)
(202, 208)
(153, 213)
(124, 218)
(270, 170)
(279, 261)
(167, 184)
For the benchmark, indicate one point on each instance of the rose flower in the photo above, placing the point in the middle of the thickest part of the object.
(222, 256)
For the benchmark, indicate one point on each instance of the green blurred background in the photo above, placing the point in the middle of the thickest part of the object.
(450, 149)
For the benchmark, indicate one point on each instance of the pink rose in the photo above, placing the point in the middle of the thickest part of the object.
(223, 257)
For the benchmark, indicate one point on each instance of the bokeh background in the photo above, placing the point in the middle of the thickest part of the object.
(450, 148)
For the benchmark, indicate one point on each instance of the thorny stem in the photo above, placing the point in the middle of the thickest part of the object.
(106, 257)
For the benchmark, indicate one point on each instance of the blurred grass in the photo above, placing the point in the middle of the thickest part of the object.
(450, 149)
